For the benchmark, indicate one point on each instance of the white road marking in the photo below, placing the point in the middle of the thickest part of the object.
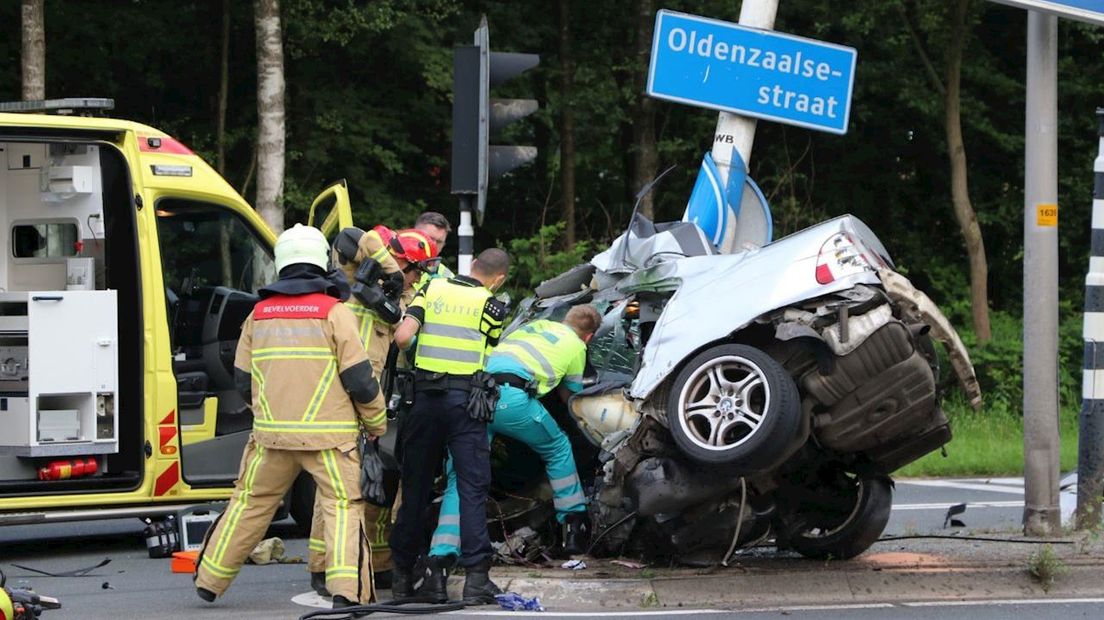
(589, 614)
(1013, 601)
(836, 607)
(311, 599)
(783, 608)
(1012, 482)
(945, 506)
(966, 486)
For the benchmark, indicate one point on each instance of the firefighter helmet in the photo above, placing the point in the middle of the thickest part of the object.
(302, 244)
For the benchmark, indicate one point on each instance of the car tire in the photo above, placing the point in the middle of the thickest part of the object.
(834, 535)
(301, 502)
(571, 281)
(735, 405)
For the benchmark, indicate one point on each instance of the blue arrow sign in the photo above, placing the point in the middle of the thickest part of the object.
(779, 77)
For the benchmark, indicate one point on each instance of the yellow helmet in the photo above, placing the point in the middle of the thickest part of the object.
(302, 244)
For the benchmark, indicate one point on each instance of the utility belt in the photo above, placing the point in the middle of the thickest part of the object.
(425, 381)
(529, 386)
(481, 388)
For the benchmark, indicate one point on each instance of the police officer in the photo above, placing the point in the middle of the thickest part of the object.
(410, 254)
(301, 364)
(528, 364)
(456, 320)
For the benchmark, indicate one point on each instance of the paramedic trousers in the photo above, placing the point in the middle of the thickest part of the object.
(377, 522)
(265, 476)
(439, 420)
(525, 419)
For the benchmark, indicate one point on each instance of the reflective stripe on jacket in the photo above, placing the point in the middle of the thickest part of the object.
(546, 351)
(456, 326)
(301, 351)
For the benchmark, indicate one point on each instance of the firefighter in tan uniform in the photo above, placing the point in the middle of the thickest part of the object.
(412, 253)
(301, 364)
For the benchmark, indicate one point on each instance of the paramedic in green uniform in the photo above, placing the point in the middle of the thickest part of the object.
(528, 364)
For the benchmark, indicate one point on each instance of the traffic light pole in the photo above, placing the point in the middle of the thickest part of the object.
(1090, 439)
(1040, 381)
(734, 130)
(477, 118)
(466, 232)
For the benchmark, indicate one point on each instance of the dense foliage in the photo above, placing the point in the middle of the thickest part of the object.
(369, 100)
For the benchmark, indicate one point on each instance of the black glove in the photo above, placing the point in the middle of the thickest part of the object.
(483, 398)
(393, 285)
(373, 298)
(371, 472)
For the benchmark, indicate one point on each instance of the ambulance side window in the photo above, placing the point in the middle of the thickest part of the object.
(213, 262)
(207, 246)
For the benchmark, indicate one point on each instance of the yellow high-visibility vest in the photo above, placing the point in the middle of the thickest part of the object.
(453, 336)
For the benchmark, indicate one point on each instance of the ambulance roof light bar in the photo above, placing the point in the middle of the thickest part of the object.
(79, 106)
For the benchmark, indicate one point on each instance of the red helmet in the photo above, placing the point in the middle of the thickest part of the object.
(385, 233)
(416, 248)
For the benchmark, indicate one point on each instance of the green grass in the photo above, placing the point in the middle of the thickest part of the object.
(989, 442)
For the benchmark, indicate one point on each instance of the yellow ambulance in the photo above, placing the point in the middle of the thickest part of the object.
(129, 265)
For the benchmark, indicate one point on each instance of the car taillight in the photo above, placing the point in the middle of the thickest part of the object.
(839, 257)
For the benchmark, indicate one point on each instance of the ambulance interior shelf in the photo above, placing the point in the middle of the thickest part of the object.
(58, 323)
(69, 410)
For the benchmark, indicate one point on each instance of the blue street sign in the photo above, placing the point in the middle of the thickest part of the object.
(1091, 11)
(761, 73)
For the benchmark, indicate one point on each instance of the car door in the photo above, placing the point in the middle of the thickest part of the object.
(331, 210)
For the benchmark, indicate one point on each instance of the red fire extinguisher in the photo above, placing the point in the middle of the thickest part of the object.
(63, 470)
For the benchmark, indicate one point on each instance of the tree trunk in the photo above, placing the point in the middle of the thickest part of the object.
(567, 125)
(224, 88)
(271, 116)
(645, 158)
(220, 140)
(960, 194)
(34, 50)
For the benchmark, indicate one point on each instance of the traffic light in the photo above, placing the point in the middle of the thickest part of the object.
(477, 118)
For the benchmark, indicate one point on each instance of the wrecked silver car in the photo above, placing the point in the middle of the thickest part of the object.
(740, 398)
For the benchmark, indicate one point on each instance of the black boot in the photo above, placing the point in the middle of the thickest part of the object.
(318, 583)
(576, 533)
(435, 587)
(402, 583)
(206, 594)
(478, 587)
(340, 602)
(382, 579)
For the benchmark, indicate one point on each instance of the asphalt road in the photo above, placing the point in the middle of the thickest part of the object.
(135, 586)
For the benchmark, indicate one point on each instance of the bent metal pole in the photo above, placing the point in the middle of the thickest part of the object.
(734, 130)
(1090, 440)
(1040, 381)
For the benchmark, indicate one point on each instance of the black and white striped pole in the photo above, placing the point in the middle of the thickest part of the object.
(1090, 442)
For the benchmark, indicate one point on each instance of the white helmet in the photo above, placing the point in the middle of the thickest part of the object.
(302, 244)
